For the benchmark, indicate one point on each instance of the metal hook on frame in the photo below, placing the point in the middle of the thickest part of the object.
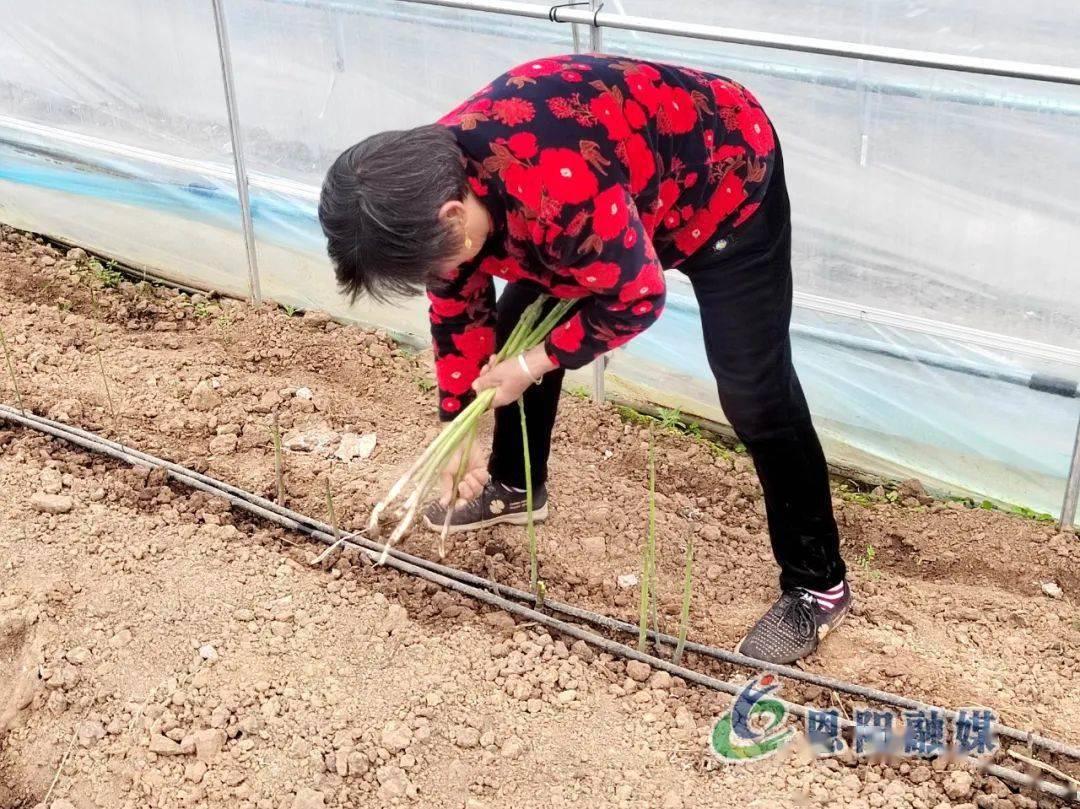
(553, 9)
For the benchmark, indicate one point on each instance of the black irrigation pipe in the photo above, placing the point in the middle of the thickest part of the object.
(488, 592)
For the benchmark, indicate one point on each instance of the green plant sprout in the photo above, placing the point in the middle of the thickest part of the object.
(684, 613)
(11, 371)
(338, 538)
(866, 562)
(425, 384)
(530, 528)
(580, 392)
(648, 558)
(290, 311)
(421, 477)
(107, 274)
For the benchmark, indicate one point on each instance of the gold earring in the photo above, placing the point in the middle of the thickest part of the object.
(468, 243)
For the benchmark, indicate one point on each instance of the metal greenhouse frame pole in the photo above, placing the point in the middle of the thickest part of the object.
(242, 187)
(1072, 485)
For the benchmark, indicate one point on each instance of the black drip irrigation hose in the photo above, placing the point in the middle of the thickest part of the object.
(494, 594)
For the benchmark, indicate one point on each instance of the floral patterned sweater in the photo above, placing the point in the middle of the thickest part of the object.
(598, 171)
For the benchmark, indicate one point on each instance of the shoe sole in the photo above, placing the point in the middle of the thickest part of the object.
(539, 515)
(829, 627)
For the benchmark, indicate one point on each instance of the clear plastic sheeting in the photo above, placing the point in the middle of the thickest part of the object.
(933, 211)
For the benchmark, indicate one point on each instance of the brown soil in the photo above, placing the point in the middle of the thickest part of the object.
(366, 686)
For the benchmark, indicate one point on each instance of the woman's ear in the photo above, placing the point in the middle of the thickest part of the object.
(453, 211)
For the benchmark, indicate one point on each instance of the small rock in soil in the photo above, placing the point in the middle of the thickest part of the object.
(52, 503)
(163, 745)
(203, 397)
(638, 671)
(627, 580)
(223, 444)
(393, 783)
(318, 438)
(356, 446)
(958, 784)
(1052, 589)
(396, 736)
(208, 743)
(594, 547)
(208, 652)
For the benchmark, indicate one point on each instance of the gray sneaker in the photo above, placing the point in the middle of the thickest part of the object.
(495, 504)
(793, 627)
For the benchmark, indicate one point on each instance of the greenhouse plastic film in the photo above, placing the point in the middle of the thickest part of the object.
(932, 211)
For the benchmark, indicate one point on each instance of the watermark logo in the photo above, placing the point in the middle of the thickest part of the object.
(756, 727)
(753, 728)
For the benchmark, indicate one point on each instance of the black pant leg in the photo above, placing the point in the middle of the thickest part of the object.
(541, 404)
(744, 294)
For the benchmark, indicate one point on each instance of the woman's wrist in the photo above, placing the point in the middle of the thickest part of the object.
(538, 361)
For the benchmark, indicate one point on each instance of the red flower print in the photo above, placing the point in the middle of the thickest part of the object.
(756, 130)
(477, 281)
(640, 160)
(677, 114)
(727, 197)
(635, 115)
(571, 76)
(725, 94)
(524, 183)
(642, 308)
(647, 283)
(698, 230)
(690, 179)
(507, 268)
(566, 175)
(523, 144)
(649, 71)
(478, 187)
(568, 291)
(517, 226)
(629, 238)
(746, 213)
(534, 70)
(455, 374)
(642, 88)
(451, 404)
(609, 113)
(568, 336)
(476, 343)
(672, 220)
(611, 214)
(622, 339)
(445, 307)
(513, 111)
(598, 276)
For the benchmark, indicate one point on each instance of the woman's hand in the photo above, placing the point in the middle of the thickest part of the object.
(508, 377)
(472, 480)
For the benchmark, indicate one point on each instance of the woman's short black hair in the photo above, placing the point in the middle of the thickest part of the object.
(379, 210)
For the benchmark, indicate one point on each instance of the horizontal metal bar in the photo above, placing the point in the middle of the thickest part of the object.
(1056, 74)
(695, 53)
